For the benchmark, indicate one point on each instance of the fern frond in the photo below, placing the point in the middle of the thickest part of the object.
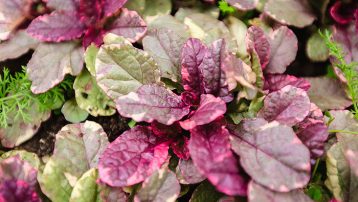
(16, 97)
(349, 70)
(225, 8)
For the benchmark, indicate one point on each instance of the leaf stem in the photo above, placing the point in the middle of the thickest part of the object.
(343, 131)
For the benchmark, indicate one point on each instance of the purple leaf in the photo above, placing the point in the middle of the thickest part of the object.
(283, 43)
(289, 106)
(13, 13)
(237, 71)
(90, 11)
(275, 82)
(213, 78)
(165, 46)
(343, 120)
(328, 93)
(356, 17)
(162, 130)
(17, 190)
(210, 108)
(16, 169)
(132, 157)
(152, 102)
(190, 98)
(258, 193)
(51, 62)
(129, 25)
(209, 148)
(17, 45)
(257, 43)
(68, 5)
(315, 113)
(192, 56)
(243, 4)
(112, 6)
(93, 35)
(188, 173)
(56, 27)
(313, 133)
(160, 186)
(352, 158)
(342, 12)
(112, 194)
(180, 147)
(271, 154)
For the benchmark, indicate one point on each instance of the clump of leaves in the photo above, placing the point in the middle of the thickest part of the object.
(348, 69)
(88, 18)
(190, 122)
(16, 97)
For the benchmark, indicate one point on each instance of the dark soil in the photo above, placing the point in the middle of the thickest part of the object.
(44, 140)
(113, 125)
(15, 65)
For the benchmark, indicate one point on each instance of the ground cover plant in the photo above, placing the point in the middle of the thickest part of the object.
(179, 100)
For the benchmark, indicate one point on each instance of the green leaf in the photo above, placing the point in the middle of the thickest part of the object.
(52, 174)
(315, 192)
(238, 30)
(342, 179)
(121, 68)
(205, 192)
(256, 67)
(150, 10)
(208, 29)
(85, 189)
(132, 123)
(330, 72)
(90, 97)
(73, 113)
(90, 58)
(316, 48)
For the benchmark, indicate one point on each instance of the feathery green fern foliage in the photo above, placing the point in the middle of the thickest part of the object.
(349, 70)
(16, 97)
(225, 8)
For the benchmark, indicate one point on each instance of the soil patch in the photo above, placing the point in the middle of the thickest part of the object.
(44, 140)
